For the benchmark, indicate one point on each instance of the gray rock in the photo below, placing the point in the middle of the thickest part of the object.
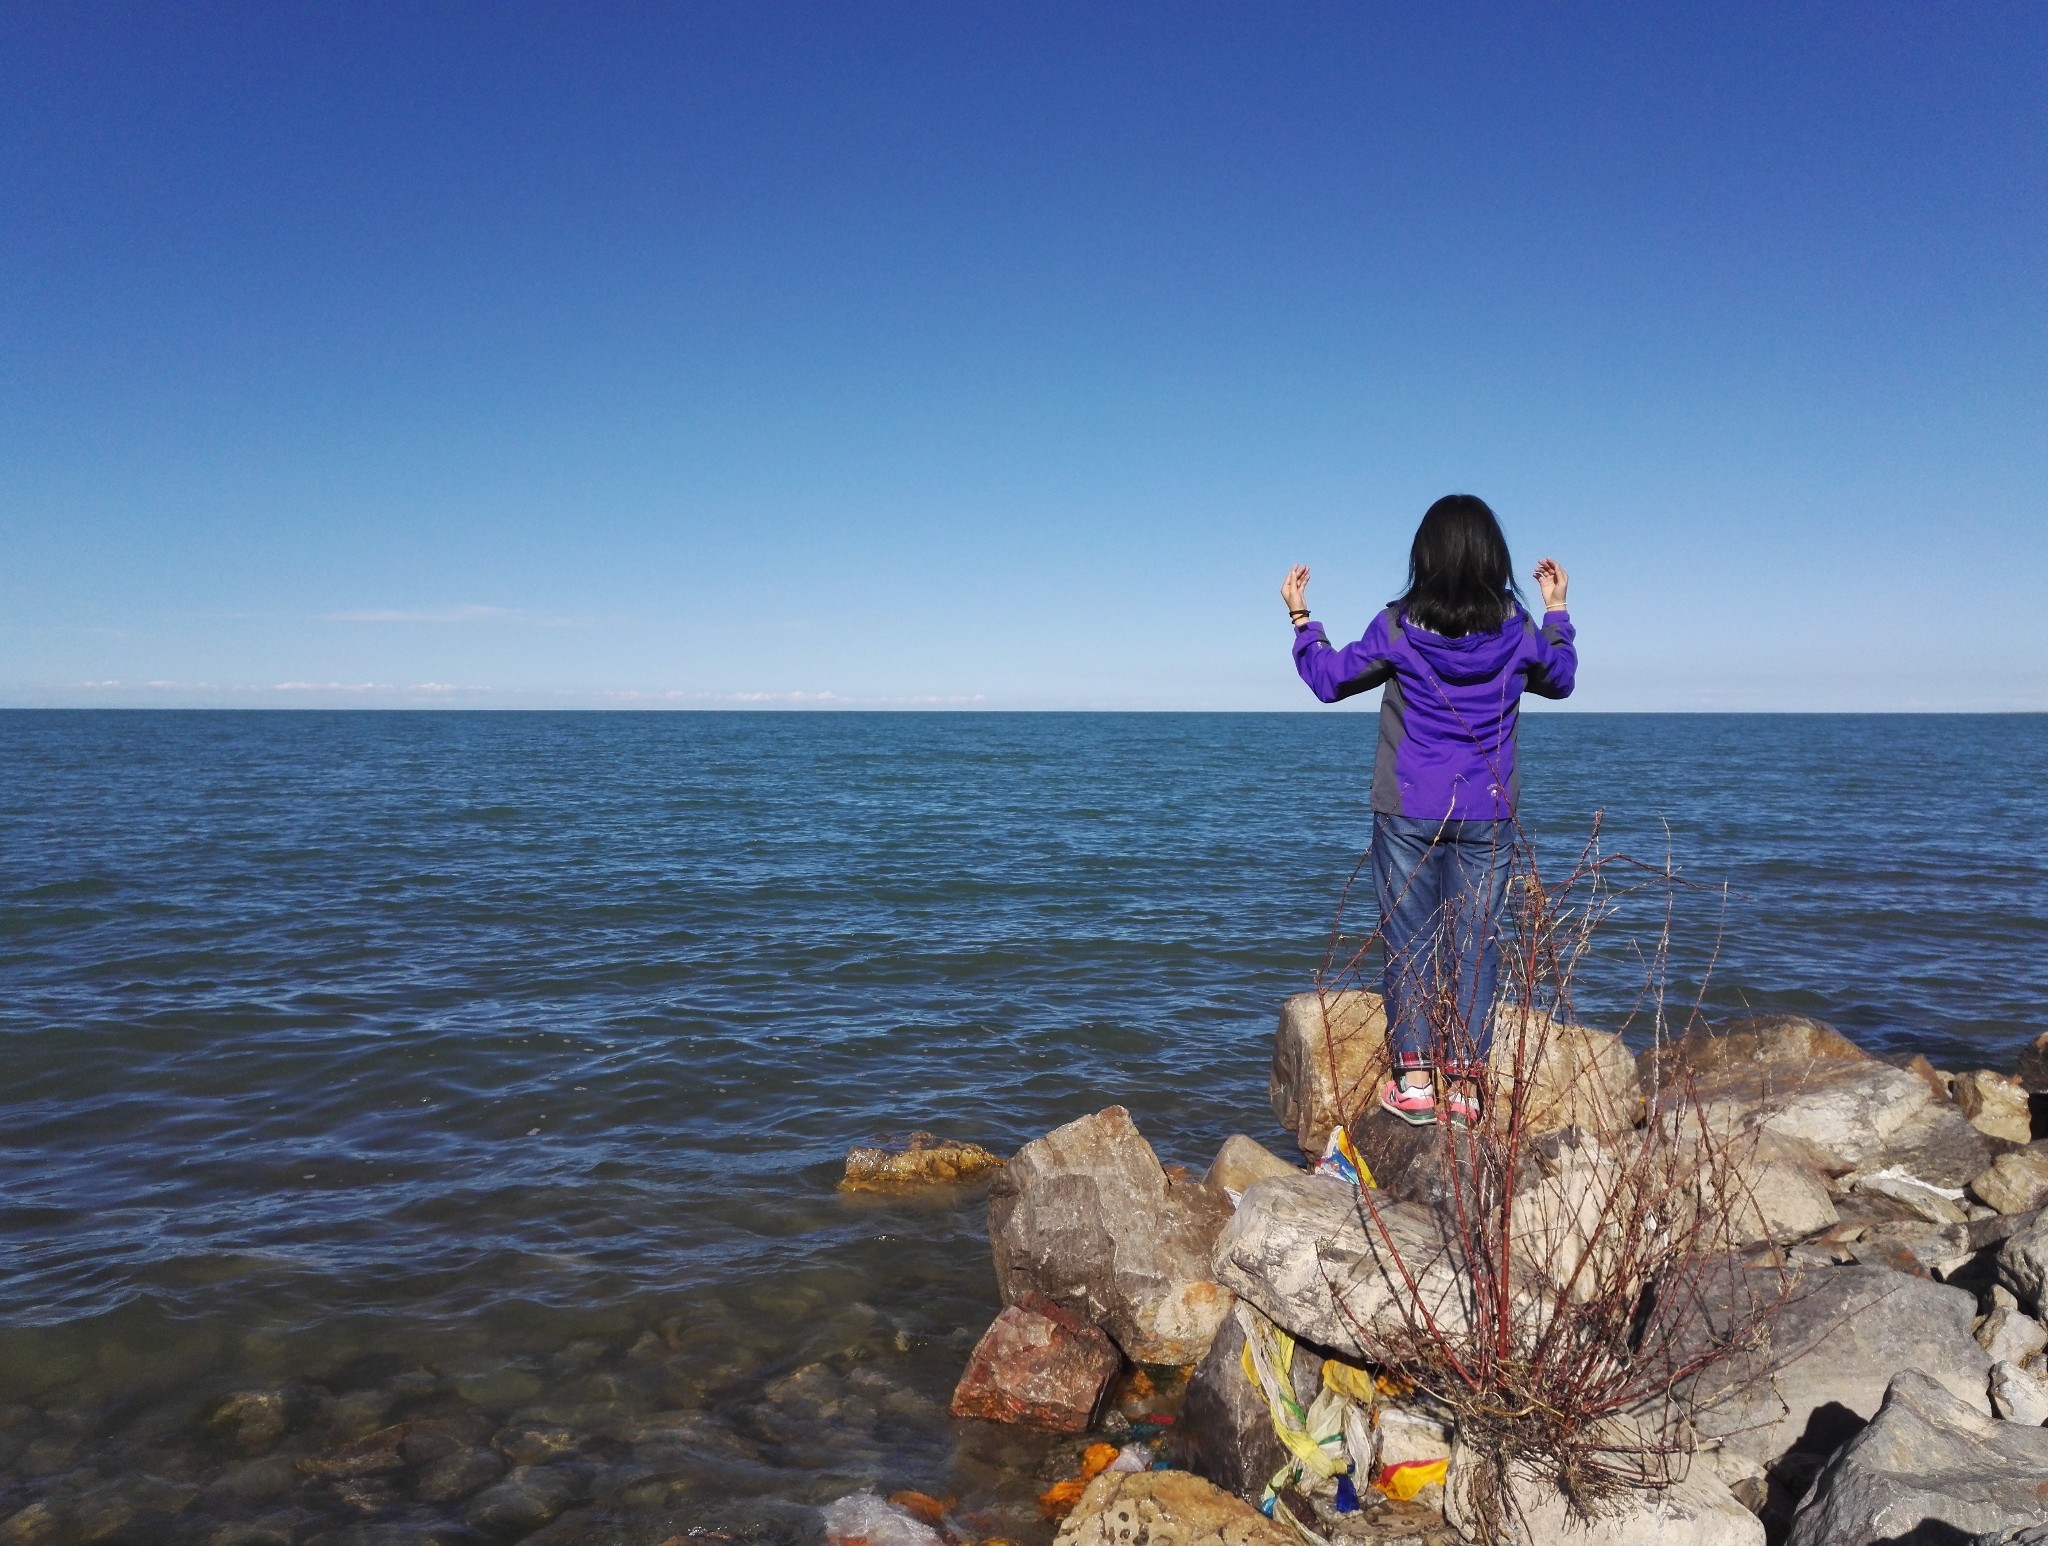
(1928, 1201)
(2019, 1395)
(1775, 1195)
(1241, 1161)
(1225, 1431)
(1940, 1146)
(1928, 1468)
(1293, 1238)
(2015, 1182)
(1847, 1110)
(1698, 1509)
(2023, 1267)
(1087, 1217)
(2011, 1336)
(1820, 1362)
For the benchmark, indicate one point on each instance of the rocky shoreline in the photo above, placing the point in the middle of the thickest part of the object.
(1866, 1360)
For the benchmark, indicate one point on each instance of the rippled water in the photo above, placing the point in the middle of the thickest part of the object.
(495, 1070)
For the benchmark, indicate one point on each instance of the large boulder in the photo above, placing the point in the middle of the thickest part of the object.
(1087, 1217)
(1166, 1508)
(1928, 1467)
(1815, 1353)
(1327, 1261)
(1844, 1112)
(1040, 1365)
(1330, 1056)
(1225, 1430)
(1694, 1510)
(1753, 1042)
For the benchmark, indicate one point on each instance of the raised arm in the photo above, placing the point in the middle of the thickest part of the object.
(1554, 656)
(1333, 673)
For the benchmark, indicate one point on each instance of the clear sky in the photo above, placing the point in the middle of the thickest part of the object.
(1006, 354)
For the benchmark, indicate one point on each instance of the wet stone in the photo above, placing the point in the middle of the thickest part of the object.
(455, 1476)
(429, 1438)
(277, 1529)
(526, 1499)
(368, 1456)
(534, 1446)
(498, 1390)
(360, 1411)
(37, 1525)
(247, 1482)
(922, 1161)
(253, 1420)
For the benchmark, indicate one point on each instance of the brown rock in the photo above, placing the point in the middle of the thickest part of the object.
(1995, 1104)
(1040, 1365)
(1241, 1161)
(1166, 1508)
(1936, 1081)
(1087, 1217)
(2033, 1069)
(2015, 1182)
(1330, 1057)
(923, 1160)
(368, 1456)
(1758, 1039)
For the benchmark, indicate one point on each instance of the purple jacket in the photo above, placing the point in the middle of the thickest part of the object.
(1451, 706)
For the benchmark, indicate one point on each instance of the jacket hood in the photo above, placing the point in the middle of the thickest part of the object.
(1472, 657)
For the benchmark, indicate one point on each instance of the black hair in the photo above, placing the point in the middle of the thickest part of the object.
(1460, 578)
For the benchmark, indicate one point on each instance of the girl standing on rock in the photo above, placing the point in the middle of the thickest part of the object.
(1454, 652)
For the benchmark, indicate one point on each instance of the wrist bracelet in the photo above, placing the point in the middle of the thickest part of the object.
(1297, 611)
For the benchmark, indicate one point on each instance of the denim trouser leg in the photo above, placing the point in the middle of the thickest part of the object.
(1440, 887)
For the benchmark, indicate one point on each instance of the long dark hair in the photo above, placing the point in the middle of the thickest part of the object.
(1460, 578)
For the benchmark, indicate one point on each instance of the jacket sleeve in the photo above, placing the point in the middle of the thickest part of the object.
(1333, 673)
(1553, 656)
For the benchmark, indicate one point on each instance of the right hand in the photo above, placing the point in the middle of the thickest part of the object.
(1294, 588)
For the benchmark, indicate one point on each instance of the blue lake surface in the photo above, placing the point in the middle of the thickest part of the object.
(504, 1063)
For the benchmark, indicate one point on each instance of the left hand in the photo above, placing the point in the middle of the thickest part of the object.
(1551, 576)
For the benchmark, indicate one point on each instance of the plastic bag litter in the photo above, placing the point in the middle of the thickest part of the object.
(1132, 1457)
(863, 1517)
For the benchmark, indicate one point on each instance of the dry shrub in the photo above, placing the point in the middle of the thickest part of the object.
(1596, 1262)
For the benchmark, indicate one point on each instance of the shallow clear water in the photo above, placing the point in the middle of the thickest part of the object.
(498, 1068)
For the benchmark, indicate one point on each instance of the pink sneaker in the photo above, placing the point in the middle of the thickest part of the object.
(1409, 1103)
(1461, 1108)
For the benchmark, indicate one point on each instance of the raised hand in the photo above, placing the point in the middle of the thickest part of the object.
(1295, 587)
(1551, 576)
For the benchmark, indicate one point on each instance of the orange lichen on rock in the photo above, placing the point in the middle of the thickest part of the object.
(923, 1160)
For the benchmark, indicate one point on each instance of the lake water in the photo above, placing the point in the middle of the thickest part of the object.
(497, 1069)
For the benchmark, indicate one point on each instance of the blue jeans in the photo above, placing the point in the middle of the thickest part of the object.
(1441, 886)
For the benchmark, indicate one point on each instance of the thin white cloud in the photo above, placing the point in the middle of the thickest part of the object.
(463, 614)
(331, 687)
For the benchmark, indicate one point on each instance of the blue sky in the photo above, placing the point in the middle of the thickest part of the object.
(1006, 355)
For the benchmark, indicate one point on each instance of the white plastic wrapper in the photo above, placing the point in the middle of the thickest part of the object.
(861, 1516)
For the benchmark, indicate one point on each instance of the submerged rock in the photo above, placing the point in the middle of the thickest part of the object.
(1088, 1217)
(922, 1160)
(457, 1474)
(1927, 1467)
(1166, 1508)
(527, 1498)
(1040, 1365)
